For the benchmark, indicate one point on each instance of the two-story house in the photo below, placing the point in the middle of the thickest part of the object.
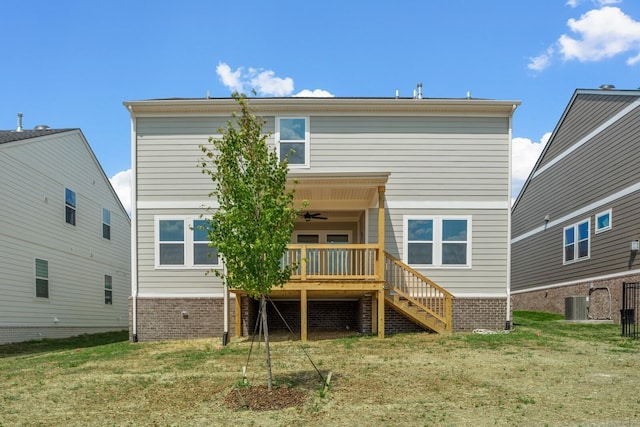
(575, 223)
(64, 239)
(407, 225)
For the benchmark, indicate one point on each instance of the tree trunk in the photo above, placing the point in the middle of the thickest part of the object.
(265, 329)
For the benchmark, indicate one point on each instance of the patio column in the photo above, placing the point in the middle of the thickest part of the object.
(303, 315)
(380, 294)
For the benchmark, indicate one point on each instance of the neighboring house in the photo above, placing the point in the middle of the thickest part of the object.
(576, 219)
(64, 239)
(407, 226)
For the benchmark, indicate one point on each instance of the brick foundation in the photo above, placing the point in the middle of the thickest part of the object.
(601, 306)
(163, 318)
(479, 313)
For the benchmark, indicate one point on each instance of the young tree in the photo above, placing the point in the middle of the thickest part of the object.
(255, 219)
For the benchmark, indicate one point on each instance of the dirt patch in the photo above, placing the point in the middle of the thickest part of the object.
(259, 398)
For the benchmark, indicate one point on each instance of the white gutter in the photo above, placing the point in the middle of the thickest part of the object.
(134, 232)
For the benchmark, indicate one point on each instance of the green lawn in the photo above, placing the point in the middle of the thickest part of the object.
(544, 372)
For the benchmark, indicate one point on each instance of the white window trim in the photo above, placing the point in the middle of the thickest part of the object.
(104, 223)
(437, 241)
(306, 141)
(188, 245)
(576, 242)
(75, 208)
(36, 277)
(607, 228)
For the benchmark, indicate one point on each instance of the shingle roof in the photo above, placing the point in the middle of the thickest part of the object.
(12, 135)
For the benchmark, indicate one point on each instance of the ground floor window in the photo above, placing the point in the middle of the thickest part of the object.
(437, 241)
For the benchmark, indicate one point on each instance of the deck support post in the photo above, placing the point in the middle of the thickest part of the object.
(303, 315)
(238, 315)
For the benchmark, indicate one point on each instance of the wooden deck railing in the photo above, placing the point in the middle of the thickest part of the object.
(334, 262)
(418, 289)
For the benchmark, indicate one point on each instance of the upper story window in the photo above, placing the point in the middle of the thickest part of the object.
(70, 206)
(603, 221)
(292, 138)
(106, 224)
(438, 241)
(108, 290)
(184, 243)
(42, 278)
(576, 242)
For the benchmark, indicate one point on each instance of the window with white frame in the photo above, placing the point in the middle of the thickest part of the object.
(106, 224)
(292, 137)
(437, 241)
(42, 278)
(183, 242)
(108, 290)
(603, 221)
(576, 242)
(70, 206)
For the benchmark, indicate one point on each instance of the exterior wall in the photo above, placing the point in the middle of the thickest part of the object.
(180, 318)
(34, 173)
(590, 165)
(604, 297)
(453, 163)
(479, 313)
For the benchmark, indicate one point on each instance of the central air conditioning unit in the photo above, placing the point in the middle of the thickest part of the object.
(576, 308)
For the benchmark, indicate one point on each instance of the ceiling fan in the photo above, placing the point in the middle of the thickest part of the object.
(309, 216)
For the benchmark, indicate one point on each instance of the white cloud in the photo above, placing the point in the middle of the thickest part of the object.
(600, 3)
(597, 35)
(316, 93)
(524, 155)
(542, 61)
(230, 79)
(121, 183)
(600, 33)
(264, 82)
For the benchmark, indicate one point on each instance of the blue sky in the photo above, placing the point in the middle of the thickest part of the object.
(71, 64)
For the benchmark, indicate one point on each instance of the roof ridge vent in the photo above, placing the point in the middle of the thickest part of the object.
(41, 127)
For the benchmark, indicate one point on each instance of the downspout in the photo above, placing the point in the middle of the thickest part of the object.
(134, 232)
(508, 325)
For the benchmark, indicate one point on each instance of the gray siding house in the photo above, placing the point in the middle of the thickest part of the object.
(576, 218)
(64, 239)
(407, 227)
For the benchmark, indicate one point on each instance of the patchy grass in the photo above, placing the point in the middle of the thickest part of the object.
(545, 372)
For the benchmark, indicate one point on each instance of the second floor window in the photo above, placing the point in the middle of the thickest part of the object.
(576, 242)
(70, 206)
(292, 137)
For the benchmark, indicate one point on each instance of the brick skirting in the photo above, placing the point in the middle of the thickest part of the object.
(180, 318)
(479, 313)
(604, 298)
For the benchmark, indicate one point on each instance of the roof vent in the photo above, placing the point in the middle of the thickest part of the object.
(607, 87)
(41, 127)
(19, 128)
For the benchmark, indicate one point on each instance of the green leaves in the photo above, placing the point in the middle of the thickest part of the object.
(255, 219)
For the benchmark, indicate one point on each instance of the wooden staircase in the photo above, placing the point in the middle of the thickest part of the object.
(416, 297)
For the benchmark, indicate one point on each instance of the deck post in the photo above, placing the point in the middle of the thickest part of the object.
(381, 190)
(380, 297)
(238, 315)
(303, 315)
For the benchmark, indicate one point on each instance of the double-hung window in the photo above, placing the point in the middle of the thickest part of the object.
(576, 242)
(106, 224)
(437, 241)
(70, 206)
(292, 137)
(108, 290)
(183, 242)
(42, 278)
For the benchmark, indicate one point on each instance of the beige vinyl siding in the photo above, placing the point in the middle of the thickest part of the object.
(598, 169)
(34, 174)
(168, 281)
